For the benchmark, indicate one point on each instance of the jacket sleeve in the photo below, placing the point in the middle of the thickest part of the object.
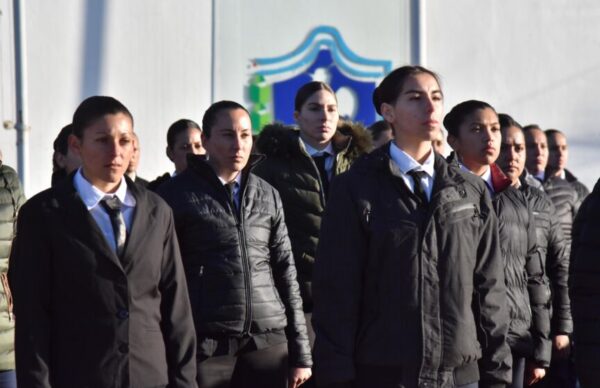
(557, 268)
(337, 285)
(30, 281)
(490, 308)
(177, 324)
(284, 274)
(539, 296)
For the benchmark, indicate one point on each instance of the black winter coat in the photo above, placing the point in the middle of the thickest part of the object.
(565, 200)
(580, 188)
(552, 247)
(527, 286)
(291, 170)
(584, 289)
(240, 269)
(398, 285)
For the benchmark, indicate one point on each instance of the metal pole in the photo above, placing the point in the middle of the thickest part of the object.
(21, 93)
(213, 52)
(418, 32)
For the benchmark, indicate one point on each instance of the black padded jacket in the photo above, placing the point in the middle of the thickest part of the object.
(565, 200)
(552, 247)
(239, 265)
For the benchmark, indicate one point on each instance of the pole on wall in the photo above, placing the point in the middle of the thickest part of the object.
(418, 32)
(21, 93)
(213, 48)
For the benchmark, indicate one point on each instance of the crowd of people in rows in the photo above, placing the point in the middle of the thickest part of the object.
(362, 255)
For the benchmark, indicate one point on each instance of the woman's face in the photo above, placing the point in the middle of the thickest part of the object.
(478, 143)
(417, 112)
(318, 119)
(512, 153)
(187, 142)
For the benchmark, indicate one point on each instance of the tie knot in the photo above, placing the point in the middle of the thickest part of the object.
(230, 186)
(111, 205)
(417, 174)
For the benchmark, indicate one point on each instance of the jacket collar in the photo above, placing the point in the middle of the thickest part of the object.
(446, 176)
(199, 164)
(82, 224)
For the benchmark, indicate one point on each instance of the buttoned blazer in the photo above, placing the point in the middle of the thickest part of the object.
(89, 319)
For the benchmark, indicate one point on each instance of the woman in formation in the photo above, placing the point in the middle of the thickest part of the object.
(408, 283)
(474, 134)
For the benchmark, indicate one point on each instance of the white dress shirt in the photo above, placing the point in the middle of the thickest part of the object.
(91, 197)
(329, 159)
(406, 163)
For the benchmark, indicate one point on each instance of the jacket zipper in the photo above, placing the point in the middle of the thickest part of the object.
(239, 218)
(315, 169)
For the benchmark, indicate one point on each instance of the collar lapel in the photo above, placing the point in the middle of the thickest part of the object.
(143, 220)
(81, 224)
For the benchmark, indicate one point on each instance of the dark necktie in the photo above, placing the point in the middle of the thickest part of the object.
(112, 206)
(320, 163)
(416, 175)
(230, 188)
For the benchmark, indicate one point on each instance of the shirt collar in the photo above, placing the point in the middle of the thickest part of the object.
(91, 195)
(406, 162)
(315, 152)
(540, 176)
(486, 176)
(237, 179)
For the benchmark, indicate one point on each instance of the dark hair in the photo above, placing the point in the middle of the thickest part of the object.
(531, 127)
(61, 143)
(93, 108)
(378, 127)
(210, 116)
(390, 88)
(457, 115)
(507, 121)
(308, 90)
(553, 132)
(178, 127)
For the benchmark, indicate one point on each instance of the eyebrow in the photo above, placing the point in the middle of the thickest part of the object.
(421, 91)
(317, 104)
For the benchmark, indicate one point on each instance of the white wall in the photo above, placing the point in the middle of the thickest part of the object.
(537, 60)
(152, 55)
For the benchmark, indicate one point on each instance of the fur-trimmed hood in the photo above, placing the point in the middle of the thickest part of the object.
(281, 140)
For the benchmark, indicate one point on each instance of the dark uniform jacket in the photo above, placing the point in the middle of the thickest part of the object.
(240, 268)
(417, 289)
(565, 200)
(552, 247)
(580, 188)
(85, 318)
(528, 291)
(291, 170)
(584, 289)
(155, 184)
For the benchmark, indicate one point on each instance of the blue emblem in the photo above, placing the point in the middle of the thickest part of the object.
(323, 56)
